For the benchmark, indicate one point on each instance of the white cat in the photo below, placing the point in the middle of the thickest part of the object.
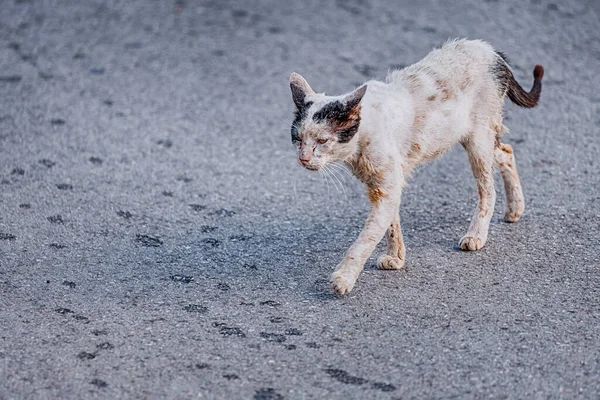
(384, 130)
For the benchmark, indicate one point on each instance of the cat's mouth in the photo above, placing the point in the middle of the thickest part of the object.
(311, 167)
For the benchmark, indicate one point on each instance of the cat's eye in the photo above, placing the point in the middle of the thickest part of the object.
(322, 141)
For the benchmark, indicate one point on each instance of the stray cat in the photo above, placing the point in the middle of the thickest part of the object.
(384, 130)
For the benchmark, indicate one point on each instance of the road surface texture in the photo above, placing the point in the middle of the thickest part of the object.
(158, 239)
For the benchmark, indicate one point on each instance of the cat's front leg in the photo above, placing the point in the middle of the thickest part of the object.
(395, 257)
(385, 205)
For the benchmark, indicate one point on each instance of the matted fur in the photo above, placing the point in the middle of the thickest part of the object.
(454, 95)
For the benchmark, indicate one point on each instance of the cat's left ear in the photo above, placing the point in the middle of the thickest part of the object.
(354, 98)
(300, 89)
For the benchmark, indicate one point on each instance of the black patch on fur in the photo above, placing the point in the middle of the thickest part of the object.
(331, 111)
(501, 72)
(339, 114)
(300, 115)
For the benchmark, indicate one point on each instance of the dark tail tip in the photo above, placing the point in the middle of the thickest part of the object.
(538, 72)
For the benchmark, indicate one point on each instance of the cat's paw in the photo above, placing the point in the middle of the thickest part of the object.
(512, 216)
(471, 243)
(514, 213)
(389, 262)
(342, 281)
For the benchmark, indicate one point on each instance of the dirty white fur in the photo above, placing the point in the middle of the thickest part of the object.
(415, 116)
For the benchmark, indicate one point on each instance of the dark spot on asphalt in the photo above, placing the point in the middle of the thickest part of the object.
(267, 394)
(167, 193)
(312, 345)
(552, 7)
(95, 160)
(45, 75)
(231, 377)
(344, 377)
(69, 284)
(47, 163)
(81, 318)
(293, 332)
(108, 102)
(195, 308)
(250, 266)
(429, 29)
(291, 347)
(133, 45)
(97, 71)
(105, 346)
(124, 214)
(84, 355)
(183, 178)
(384, 387)
(271, 303)
(197, 207)
(165, 143)
(273, 337)
(99, 332)
(17, 171)
(218, 52)
(207, 229)
(56, 219)
(246, 303)
(57, 246)
(202, 366)
(64, 311)
(5, 182)
(232, 331)
(148, 241)
(64, 186)
(239, 13)
(99, 382)
(181, 278)
(25, 205)
(276, 320)
(239, 238)
(57, 121)
(365, 70)
(11, 78)
(223, 286)
(211, 241)
(275, 29)
(78, 56)
(14, 45)
(7, 236)
(221, 212)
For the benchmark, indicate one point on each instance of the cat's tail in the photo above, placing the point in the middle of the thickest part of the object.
(515, 92)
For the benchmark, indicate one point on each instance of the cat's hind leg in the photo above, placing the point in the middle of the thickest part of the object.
(395, 257)
(515, 202)
(480, 147)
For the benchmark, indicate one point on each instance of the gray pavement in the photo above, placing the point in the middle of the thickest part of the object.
(158, 240)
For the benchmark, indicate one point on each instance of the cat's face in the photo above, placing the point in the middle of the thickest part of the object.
(325, 127)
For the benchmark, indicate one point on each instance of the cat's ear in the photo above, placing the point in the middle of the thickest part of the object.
(354, 98)
(300, 89)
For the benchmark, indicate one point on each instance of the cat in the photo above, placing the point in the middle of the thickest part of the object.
(384, 130)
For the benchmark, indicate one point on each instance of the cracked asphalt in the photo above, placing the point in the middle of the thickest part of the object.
(159, 241)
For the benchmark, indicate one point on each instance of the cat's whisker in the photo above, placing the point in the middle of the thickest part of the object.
(281, 157)
(324, 175)
(335, 175)
(328, 174)
(342, 168)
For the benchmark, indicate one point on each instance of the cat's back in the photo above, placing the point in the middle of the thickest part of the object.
(460, 61)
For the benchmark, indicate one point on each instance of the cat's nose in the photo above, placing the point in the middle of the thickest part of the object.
(305, 160)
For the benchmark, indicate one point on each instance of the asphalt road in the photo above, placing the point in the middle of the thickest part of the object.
(158, 240)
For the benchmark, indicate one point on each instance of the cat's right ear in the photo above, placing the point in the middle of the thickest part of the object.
(300, 89)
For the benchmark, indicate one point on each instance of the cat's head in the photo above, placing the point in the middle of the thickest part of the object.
(325, 127)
